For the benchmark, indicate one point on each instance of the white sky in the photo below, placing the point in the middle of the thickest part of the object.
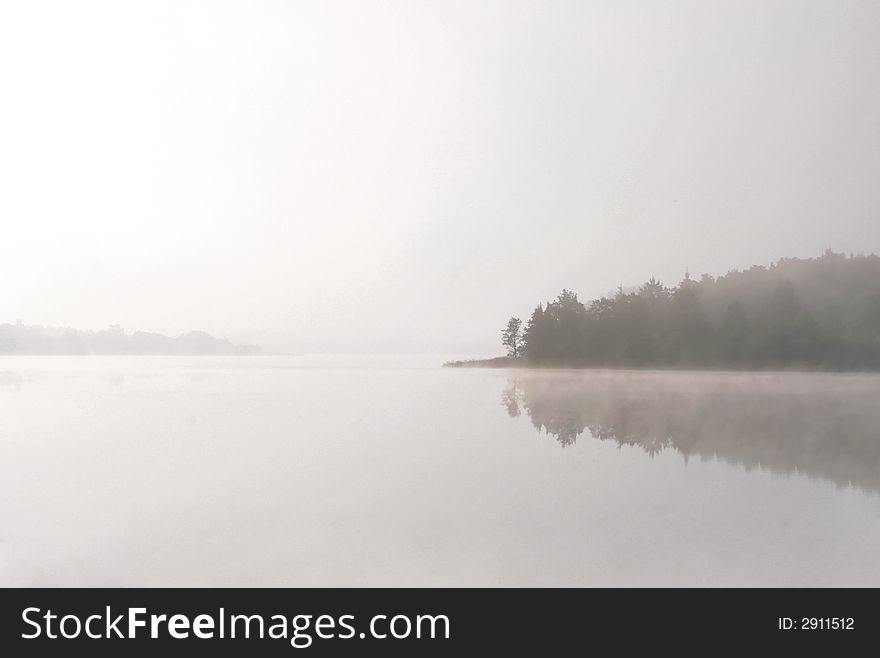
(384, 176)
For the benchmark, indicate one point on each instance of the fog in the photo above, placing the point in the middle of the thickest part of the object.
(372, 176)
(820, 426)
(313, 471)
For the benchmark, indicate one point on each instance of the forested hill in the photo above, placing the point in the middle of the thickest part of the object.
(821, 313)
(19, 338)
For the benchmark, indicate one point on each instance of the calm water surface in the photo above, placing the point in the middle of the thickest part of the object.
(306, 471)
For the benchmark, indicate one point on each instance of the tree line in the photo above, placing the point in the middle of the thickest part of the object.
(20, 338)
(821, 313)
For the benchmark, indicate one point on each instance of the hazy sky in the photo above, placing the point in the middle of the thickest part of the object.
(376, 176)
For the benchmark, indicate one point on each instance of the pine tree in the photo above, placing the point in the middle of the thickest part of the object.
(511, 337)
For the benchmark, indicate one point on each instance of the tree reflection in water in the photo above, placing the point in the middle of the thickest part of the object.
(826, 426)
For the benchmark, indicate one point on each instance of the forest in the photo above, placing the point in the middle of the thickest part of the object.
(815, 313)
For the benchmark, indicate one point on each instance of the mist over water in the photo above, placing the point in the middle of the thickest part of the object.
(231, 231)
(821, 425)
(308, 471)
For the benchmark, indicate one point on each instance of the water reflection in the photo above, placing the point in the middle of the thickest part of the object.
(824, 426)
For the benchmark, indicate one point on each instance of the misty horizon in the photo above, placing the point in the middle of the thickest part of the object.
(355, 348)
(439, 293)
(20, 338)
(421, 171)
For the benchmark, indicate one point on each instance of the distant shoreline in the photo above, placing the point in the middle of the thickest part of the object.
(87, 354)
(497, 362)
(38, 340)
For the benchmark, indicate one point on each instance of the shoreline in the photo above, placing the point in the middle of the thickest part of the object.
(502, 362)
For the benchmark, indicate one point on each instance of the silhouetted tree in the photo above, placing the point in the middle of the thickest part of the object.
(653, 289)
(564, 317)
(535, 336)
(557, 333)
(511, 337)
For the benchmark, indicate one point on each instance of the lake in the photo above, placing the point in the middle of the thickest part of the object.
(319, 471)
